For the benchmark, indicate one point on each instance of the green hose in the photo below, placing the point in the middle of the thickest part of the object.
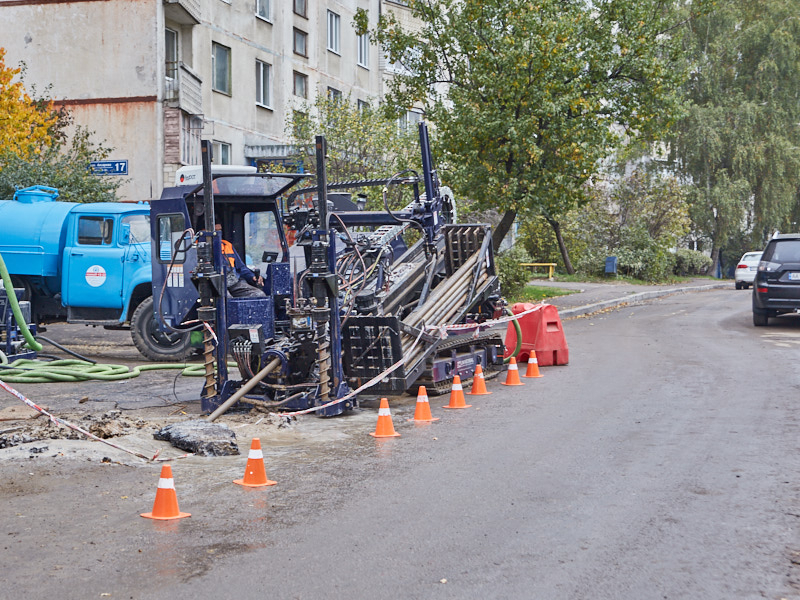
(519, 336)
(70, 370)
(12, 298)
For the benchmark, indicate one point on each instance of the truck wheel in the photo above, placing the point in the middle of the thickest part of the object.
(154, 344)
(760, 319)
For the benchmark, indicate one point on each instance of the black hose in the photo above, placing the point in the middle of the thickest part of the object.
(63, 349)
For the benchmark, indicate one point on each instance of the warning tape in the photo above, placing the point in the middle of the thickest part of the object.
(59, 421)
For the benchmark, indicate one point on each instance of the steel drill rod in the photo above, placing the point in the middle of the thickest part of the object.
(445, 316)
(442, 290)
(243, 390)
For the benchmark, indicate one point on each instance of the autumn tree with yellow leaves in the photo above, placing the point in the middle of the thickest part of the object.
(36, 150)
(26, 125)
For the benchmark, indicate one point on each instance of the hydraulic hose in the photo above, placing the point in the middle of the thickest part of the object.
(12, 299)
(32, 371)
(518, 329)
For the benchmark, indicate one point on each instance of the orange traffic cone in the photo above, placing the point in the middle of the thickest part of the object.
(385, 427)
(479, 383)
(255, 475)
(533, 366)
(512, 378)
(457, 399)
(422, 413)
(166, 505)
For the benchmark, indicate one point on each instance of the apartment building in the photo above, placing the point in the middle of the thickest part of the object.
(154, 77)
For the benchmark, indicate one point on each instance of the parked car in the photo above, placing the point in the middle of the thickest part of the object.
(776, 288)
(746, 269)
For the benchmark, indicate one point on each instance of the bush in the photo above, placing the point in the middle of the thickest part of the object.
(691, 262)
(513, 277)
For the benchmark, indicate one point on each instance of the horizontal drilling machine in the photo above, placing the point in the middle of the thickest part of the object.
(384, 301)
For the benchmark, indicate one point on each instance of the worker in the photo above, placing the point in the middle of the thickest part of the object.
(241, 281)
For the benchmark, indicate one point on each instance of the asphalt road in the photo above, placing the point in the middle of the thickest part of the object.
(661, 463)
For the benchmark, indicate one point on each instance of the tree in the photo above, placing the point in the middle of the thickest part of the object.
(36, 150)
(739, 144)
(362, 142)
(63, 165)
(26, 125)
(527, 97)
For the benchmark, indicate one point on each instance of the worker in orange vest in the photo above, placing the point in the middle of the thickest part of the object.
(241, 281)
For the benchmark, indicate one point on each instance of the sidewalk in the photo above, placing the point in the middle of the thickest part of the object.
(592, 297)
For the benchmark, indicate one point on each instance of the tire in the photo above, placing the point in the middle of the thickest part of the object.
(152, 343)
(739, 285)
(760, 319)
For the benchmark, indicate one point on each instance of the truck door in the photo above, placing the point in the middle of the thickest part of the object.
(93, 264)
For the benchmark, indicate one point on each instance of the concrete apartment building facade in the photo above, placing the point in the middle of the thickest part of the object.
(154, 77)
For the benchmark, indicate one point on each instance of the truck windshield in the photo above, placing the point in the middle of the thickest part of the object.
(140, 228)
(262, 243)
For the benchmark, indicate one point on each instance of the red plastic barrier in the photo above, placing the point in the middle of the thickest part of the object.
(541, 332)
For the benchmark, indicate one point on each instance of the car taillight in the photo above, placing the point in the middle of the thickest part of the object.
(766, 265)
(761, 290)
(741, 266)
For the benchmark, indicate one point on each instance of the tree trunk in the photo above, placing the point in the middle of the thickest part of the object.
(714, 262)
(561, 245)
(502, 229)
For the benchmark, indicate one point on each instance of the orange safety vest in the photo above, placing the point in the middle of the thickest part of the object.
(227, 252)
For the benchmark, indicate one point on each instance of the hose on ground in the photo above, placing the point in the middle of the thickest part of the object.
(69, 370)
(67, 350)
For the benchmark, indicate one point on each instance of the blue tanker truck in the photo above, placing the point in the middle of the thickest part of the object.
(85, 263)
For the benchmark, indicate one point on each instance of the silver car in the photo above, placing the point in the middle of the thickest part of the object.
(746, 269)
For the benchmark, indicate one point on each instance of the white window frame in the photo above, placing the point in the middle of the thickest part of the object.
(334, 32)
(405, 120)
(214, 59)
(363, 51)
(264, 10)
(263, 84)
(191, 130)
(220, 153)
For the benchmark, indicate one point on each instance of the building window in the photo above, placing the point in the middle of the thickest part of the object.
(334, 27)
(220, 68)
(300, 85)
(334, 95)
(263, 84)
(262, 9)
(171, 64)
(300, 42)
(191, 129)
(409, 120)
(220, 153)
(300, 7)
(362, 105)
(363, 51)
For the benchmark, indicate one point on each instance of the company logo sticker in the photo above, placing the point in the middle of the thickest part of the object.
(95, 276)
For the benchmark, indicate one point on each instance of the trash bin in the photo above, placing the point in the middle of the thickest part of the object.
(611, 265)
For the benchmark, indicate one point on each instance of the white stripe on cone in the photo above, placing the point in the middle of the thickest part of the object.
(384, 412)
(534, 360)
(513, 367)
(457, 386)
(255, 454)
(422, 398)
(166, 484)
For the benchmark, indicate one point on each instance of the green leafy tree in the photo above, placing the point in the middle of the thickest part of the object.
(64, 164)
(527, 97)
(739, 143)
(362, 142)
(639, 219)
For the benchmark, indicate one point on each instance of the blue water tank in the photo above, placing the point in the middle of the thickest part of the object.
(36, 193)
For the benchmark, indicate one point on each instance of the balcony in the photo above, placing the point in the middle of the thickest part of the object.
(183, 88)
(185, 12)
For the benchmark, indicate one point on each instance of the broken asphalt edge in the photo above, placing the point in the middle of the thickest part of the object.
(639, 298)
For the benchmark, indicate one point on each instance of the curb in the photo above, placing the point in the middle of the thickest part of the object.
(639, 298)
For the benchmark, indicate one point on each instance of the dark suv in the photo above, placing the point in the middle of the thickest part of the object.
(776, 289)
